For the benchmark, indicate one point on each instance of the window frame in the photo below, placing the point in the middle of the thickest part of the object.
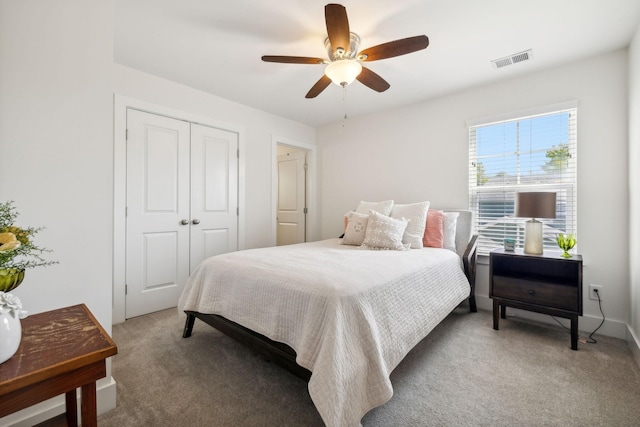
(514, 227)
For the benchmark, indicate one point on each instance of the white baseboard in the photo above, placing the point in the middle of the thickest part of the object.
(105, 394)
(634, 345)
(586, 324)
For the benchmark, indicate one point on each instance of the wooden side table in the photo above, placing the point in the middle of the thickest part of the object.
(61, 350)
(546, 283)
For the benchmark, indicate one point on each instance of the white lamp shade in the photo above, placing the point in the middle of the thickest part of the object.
(343, 72)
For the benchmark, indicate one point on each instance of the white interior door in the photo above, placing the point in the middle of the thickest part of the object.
(291, 215)
(157, 213)
(214, 192)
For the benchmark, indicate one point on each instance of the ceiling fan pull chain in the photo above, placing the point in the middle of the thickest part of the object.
(344, 101)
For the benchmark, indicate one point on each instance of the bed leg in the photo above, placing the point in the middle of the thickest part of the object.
(188, 325)
(472, 304)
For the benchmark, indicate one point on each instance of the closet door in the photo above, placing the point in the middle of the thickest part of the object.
(158, 211)
(214, 193)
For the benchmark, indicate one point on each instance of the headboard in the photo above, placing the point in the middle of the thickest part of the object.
(464, 229)
(466, 247)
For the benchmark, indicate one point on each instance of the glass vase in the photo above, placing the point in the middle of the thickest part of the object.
(10, 278)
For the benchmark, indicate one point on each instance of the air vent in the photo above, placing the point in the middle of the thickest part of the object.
(513, 59)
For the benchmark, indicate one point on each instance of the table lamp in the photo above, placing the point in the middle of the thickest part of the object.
(534, 205)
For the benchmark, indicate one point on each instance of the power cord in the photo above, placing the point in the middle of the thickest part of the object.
(592, 340)
(589, 340)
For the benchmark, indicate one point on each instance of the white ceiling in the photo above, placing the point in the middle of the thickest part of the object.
(216, 46)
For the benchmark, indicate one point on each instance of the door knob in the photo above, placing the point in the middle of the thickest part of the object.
(196, 221)
(184, 222)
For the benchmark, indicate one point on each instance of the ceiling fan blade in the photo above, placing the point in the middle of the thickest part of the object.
(293, 59)
(394, 48)
(318, 87)
(372, 80)
(335, 16)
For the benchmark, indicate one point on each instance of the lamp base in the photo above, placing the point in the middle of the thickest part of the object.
(533, 237)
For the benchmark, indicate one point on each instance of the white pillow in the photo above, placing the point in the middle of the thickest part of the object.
(416, 213)
(383, 207)
(449, 238)
(384, 232)
(356, 227)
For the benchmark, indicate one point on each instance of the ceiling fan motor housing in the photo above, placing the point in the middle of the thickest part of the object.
(339, 52)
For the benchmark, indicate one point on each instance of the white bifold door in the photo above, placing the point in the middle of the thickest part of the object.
(182, 201)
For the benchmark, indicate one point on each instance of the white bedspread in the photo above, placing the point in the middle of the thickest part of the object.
(350, 314)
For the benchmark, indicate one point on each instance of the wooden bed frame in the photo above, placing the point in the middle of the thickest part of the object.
(284, 355)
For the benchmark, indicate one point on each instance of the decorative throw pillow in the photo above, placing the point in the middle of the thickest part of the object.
(416, 213)
(434, 233)
(382, 207)
(356, 228)
(346, 220)
(449, 230)
(384, 232)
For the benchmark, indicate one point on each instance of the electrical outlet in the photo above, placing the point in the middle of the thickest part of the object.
(592, 292)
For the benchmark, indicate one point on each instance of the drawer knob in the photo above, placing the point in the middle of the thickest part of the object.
(532, 292)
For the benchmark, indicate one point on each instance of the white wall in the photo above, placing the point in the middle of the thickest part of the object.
(634, 193)
(421, 153)
(259, 129)
(56, 148)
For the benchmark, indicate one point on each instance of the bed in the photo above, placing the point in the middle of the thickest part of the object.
(339, 316)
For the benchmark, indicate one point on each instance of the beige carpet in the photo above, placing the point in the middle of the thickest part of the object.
(463, 374)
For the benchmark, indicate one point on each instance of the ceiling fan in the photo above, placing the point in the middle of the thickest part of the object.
(344, 63)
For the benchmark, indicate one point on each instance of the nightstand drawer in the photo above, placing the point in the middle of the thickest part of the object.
(546, 294)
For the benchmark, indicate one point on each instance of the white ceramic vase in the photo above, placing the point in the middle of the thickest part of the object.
(10, 335)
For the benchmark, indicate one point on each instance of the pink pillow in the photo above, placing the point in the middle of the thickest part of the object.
(433, 233)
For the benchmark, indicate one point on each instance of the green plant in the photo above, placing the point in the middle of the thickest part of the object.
(17, 249)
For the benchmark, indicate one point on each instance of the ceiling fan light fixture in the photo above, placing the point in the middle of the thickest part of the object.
(343, 72)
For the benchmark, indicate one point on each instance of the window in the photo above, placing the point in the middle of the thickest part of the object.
(532, 153)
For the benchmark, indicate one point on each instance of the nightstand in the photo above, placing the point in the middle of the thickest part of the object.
(61, 350)
(547, 283)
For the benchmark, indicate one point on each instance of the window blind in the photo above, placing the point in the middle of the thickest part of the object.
(532, 153)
